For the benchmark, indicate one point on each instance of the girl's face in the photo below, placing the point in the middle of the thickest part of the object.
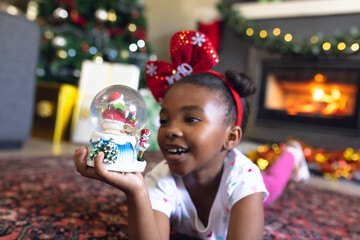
(192, 130)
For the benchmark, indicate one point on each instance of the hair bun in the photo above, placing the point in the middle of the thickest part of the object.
(241, 82)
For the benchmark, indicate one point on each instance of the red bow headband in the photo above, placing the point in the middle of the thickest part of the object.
(191, 52)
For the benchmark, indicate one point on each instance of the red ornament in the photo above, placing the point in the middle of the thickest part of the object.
(213, 31)
(76, 18)
(85, 47)
(69, 3)
(115, 31)
(139, 34)
(135, 14)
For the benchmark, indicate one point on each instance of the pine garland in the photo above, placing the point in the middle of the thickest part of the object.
(274, 40)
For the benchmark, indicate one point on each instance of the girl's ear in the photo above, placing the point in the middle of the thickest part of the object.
(233, 138)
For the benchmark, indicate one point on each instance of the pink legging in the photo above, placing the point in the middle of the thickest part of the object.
(277, 176)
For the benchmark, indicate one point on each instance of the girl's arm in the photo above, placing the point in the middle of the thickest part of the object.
(247, 218)
(144, 223)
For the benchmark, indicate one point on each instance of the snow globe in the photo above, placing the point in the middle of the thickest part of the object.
(118, 115)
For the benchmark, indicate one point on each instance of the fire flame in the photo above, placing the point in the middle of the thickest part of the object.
(325, 99)
(332, 102)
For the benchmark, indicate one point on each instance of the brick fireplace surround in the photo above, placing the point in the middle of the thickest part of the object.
(238, 52)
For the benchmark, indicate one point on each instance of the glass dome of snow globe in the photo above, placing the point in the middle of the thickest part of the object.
(119, 110)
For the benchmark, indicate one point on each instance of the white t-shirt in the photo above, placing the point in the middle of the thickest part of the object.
(168, 194)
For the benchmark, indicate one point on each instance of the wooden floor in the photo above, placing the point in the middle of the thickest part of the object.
(41, 147)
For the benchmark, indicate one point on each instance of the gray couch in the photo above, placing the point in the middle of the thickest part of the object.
(19, 50)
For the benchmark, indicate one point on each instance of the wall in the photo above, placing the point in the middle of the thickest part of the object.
(164, 18)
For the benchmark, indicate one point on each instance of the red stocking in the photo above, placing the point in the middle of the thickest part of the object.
(212, 31)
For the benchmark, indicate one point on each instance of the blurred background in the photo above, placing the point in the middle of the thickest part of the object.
(303, 55)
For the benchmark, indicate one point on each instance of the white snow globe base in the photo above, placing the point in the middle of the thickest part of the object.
(121, 167)
(120, 154)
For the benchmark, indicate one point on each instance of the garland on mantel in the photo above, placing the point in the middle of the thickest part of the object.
(275, 40)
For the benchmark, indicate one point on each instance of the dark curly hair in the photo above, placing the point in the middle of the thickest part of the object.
(240, 82)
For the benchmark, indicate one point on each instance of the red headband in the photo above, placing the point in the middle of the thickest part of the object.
(191, 52)
(236, 96)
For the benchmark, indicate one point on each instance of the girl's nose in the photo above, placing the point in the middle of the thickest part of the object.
(173, 131)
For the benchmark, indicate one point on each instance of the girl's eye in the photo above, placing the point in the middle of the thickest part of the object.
(163, 121)
(192, 119)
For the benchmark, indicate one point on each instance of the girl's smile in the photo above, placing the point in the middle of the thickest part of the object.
(175, 153)
(192, 130)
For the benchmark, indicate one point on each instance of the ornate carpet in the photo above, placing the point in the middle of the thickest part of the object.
(45, 198)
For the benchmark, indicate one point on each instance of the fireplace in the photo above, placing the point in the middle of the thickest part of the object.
(317, 101)
(320, 94)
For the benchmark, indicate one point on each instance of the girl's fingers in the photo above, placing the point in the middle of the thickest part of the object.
(102, 172)
(98, 165)
(80, 158)
(81, 166)
(120, 180)
(127, 182)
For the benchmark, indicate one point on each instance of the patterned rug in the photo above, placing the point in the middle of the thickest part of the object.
(44, 198)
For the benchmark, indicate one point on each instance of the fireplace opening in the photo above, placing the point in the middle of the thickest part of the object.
(320, 95)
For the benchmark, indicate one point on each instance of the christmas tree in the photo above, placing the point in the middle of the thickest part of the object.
(78, 30)
(109, 149)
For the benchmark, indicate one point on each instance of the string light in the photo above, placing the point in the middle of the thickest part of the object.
(263, 34)
(355, 47)
(341, 46)
(76, 73)
(71, 52)
(133, 47)
(314, 39)
(62, 54)
(326, 46)
(60, 13)
(101, 14)
(141, 43)
(111, 16)
(32, 10)
(249, 32)
(59, 41)
(153, 57)
(45, 108)
(12, 10)
(124, 54)
(132, 27)
(98, 59)
(93, 50)
(319, 43)
(276, 31)
(40, 72)
(48, 34)
(288, 37)
(113, 53)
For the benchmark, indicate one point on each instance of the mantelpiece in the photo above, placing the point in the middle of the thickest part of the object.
(297, 8)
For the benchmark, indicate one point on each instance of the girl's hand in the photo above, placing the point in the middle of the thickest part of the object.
(130, 183)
